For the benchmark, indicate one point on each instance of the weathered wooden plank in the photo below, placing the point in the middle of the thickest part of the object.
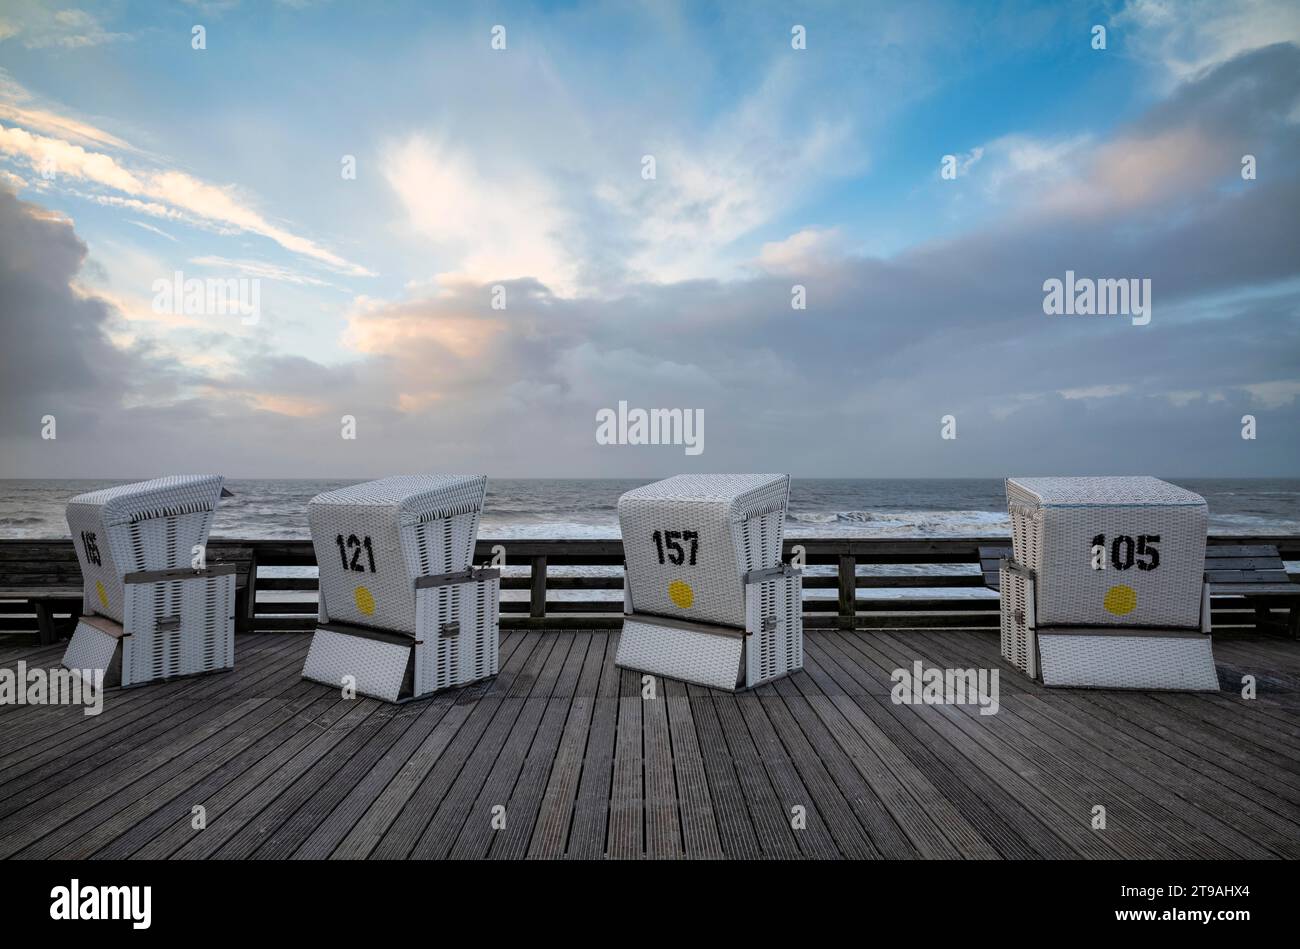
(591, 807)
(245, 812)
(140, 805)
(546, 755)
(626, 804)
(699, 828)
(41, 819)
(281, 769)
(898, 825)
(1141, 806)
(770, 816)
(329, 832)
(170, 827)
(1004, 822)
(551, 830)
(798, 770)
(279, 816)
(103, 750)
(402, 835)
(469, 833)
(33, 730)
(736, 832)
(663, 829)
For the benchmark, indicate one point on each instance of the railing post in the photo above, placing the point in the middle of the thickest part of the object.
(250, 602)
(537, 593)
(848, 591)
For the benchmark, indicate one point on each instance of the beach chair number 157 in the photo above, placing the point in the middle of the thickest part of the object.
(355, 546)
(672, 542)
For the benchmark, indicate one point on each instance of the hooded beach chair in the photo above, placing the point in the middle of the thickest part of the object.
(707, 598)
(403, 613)
(1107, 586)
(152, 607)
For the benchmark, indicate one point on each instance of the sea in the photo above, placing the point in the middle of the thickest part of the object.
(581, 508)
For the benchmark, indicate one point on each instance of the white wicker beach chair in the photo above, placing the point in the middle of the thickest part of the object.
(1107, 586)
(149, 612)
(706, 596)
(402, 610)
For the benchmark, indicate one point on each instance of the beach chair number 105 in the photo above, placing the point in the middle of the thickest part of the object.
(1124, 551)
(672, 541)
(355, 546)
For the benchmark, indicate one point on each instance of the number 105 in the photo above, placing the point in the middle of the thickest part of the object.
(1125, 551)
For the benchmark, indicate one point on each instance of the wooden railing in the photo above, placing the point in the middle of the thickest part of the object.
(537, 594)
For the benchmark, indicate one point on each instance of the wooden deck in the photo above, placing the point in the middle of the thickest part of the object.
(586, 768)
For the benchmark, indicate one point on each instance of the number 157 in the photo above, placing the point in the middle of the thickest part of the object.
(672, 541)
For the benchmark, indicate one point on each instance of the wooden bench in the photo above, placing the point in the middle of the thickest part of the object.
(989, 558)
(1256, 573)
(45, 603)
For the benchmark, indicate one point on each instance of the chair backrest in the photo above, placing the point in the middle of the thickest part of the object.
(148, 525)
(1149, 541)
(689, 540)
(373, 540)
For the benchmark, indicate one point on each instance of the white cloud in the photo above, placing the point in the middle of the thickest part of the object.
(492, 224)
(259, 269)
(803, 251)
(165, 191)
(749, 167)
(1275, 394)
(1095, 392)
(36, 26)
(1188, 36)
(155, 230)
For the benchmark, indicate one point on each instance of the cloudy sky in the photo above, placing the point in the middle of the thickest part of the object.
(127, 155)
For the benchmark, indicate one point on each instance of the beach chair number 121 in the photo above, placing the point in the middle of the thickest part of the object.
(672, 541)
(355, 546)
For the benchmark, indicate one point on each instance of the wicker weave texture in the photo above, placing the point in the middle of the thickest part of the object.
(774, 618)
(373, 539)
(688, 541)
(377, 668)
(204, 641)
(1018, 641)
(471, 653)
(90, 649)
(161, 497)
(702, 658)
(1153, 539)
(152, 525)
(1129, 662)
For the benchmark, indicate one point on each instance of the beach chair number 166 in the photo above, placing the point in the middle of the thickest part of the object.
(91, 547)
(355, 545)
(672, 540)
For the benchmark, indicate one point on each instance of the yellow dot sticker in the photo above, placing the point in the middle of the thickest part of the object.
(680, 592)
(365, 600)
(103, 594)
(1121, 600)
